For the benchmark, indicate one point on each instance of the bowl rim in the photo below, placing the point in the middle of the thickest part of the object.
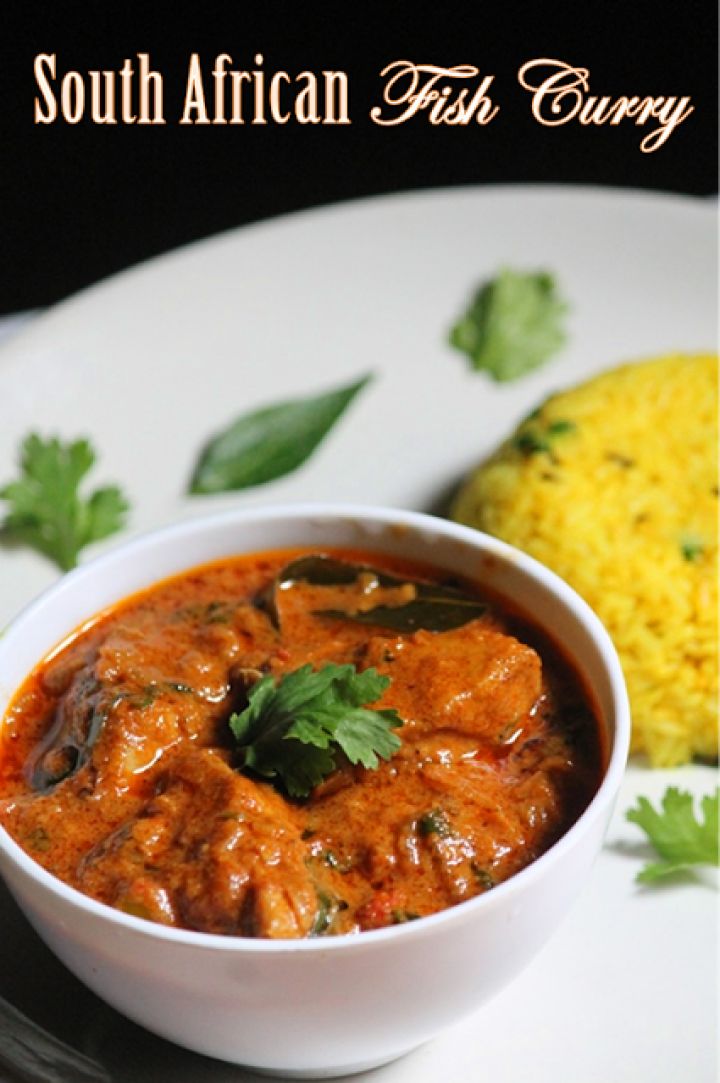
(421, 522)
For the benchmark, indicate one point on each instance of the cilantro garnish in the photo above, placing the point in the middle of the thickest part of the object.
(400, 917)
(681, 840)
(434, 822)
(530, 443)
(560, 426)
(46, 510)
(292, 729)
(691, 549)
(534, 438)
(514, 323)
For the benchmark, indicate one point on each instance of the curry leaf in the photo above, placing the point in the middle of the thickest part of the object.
(433, 613)
(270, 442)
(324, 571)
(431, 606)
(292, 729)
(45, 508)
(513, 324)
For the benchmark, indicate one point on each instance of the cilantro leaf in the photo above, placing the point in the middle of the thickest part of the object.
(513, 324)
(292, 729)
(680, 839)
(692, 549)
(46, 510)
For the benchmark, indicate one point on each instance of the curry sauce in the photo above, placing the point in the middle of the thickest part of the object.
(119, 771)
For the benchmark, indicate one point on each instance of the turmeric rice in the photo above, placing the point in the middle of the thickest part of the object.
(614, 485)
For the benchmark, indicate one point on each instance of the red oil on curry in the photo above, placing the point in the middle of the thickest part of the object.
(141, 806)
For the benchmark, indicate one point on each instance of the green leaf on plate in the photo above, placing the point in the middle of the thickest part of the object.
(268, 443)
(513, 324)
(46, 509)
(680, 838)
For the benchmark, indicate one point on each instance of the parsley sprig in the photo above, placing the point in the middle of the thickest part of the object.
(46, 510)
(681, 840)
(292, 729)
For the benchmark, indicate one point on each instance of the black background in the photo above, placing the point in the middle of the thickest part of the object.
(80, 202)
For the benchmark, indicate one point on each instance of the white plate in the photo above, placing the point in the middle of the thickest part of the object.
(152, 362)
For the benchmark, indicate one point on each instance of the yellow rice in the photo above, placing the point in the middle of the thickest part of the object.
(613, 484)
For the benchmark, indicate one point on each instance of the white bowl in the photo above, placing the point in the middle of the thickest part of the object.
(317, 1007)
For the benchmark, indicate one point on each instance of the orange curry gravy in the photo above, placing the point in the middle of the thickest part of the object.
(117, 775)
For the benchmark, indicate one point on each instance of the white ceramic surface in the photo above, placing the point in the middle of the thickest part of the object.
(152, 361)
(317, 1007)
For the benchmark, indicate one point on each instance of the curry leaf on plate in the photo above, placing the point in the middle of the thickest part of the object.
(292, 728)
(45, 507)
(513, 324)
(268, 443)
(681, 840)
